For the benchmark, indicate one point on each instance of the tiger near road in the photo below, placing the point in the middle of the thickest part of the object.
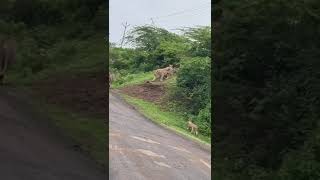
(163, 73)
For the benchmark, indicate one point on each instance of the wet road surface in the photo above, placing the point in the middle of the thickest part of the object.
(142, 150)
(31, 150)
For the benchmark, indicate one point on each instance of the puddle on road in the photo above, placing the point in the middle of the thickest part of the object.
(145, 140)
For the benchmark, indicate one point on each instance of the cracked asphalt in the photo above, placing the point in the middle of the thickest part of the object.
(142, 150)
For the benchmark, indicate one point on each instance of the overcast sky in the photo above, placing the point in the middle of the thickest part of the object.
(169, 14)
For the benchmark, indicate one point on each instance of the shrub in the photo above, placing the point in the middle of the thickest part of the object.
(203, 120)
(193, 83)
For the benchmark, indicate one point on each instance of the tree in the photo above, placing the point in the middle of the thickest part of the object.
(201, 40)
(266, 74)
(148, 38)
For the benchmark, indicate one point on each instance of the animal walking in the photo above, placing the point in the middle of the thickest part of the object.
(192, 127)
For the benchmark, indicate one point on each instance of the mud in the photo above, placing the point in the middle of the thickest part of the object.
(147, 91)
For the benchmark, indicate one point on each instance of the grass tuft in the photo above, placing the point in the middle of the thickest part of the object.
(132, 79)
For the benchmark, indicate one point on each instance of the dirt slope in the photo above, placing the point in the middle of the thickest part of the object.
(147, 91)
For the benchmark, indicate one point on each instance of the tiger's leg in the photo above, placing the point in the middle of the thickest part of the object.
(154, 76)
(162, 75)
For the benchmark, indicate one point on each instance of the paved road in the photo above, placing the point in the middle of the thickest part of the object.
(141, 150)
(30, 150)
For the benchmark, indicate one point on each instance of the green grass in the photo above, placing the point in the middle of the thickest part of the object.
(132, 79)
(90, 133)
(169, 120)
(87, 56)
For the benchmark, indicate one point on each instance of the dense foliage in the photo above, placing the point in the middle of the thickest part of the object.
(53, 33)
(267, 89)
(153, 48)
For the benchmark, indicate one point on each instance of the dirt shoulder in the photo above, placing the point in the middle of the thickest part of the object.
(154, 99)
(33, 149)
(76, 105)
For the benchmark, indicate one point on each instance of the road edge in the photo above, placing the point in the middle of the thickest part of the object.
(201, 145)
(36, 111)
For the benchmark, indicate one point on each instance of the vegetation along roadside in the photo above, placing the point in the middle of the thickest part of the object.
(61, 61)
(183, 95)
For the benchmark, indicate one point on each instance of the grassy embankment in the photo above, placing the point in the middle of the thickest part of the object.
(171, 120)
(88, 56)
(86, 131)
(132, 79)
(89, 132)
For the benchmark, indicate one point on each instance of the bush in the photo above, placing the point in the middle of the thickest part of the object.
(268, 51)
(302, 163)
(194, 83)
(203, 120)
